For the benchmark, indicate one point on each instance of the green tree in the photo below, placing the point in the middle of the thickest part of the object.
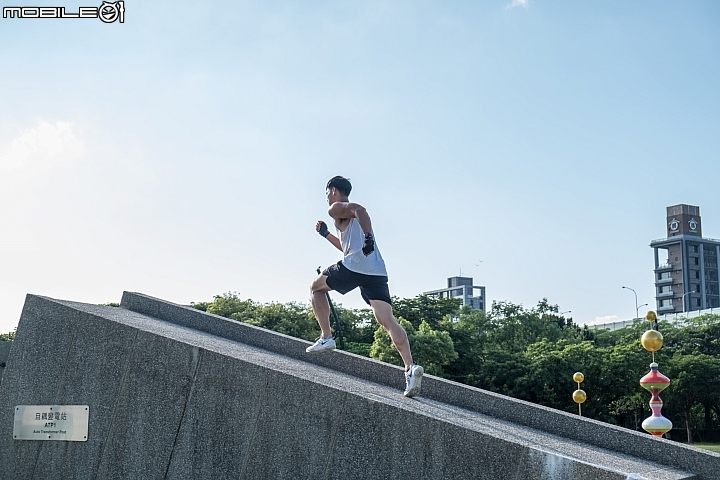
(500, 371)
(295, 319)
(425, 308)
(8, 337)
(292, 319)
(632, 406)
(469, 333)
(514, 328)
(696, 335)
(227, 305)
(430, 348)
(358, 325)
(694, 378)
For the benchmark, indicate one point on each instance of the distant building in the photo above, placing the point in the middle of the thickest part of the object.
(686, 264)
(463, 288)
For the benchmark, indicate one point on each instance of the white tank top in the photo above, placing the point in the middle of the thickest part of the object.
(352, 240)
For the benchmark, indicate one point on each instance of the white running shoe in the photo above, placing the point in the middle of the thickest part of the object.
(413, 377)
(321, 345)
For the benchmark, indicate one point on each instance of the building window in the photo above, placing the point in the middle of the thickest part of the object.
(694, 249)
(697, 273)
(697, 303)
(696, 260)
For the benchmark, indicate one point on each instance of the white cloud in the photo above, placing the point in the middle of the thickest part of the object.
(517, 3)
(46, 143)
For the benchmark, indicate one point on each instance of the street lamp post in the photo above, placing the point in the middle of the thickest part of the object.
(637, 314)
(636, 305)
(683, 300)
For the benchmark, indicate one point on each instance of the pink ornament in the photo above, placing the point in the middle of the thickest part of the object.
(655, 382)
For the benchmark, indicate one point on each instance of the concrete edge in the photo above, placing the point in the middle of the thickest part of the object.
(176, 334)
(553, 421)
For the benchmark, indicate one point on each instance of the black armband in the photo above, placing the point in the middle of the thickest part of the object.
(369, 244)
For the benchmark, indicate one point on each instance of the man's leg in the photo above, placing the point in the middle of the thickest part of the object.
(320, 305)
(398, 335)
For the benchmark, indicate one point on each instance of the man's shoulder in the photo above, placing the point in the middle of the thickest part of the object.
(343, 210)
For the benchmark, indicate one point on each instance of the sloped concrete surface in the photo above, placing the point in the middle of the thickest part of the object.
(177, 393)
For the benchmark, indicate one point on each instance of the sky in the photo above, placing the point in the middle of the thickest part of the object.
(530, 144)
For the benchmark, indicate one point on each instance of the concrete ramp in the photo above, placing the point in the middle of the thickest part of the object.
(178, 393)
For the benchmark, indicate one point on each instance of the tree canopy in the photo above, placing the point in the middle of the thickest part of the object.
(8, 337)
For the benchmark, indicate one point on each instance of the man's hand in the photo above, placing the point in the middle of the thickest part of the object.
(322, 228)
(369, 244)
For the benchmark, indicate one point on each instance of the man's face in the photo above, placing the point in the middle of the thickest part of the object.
(330, 194)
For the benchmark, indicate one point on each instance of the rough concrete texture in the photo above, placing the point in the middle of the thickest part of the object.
(178, 393)
(4, 353)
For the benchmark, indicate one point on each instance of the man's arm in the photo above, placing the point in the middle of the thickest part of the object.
(322, 229)
(334, 240)
(341, 210)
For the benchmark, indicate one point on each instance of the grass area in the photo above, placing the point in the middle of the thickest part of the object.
(714, 447)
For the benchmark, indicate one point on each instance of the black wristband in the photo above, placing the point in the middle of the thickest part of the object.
(324, 232)
(369, 244)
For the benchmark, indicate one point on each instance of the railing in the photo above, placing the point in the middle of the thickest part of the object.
(677, 317)
(665, 280)
(612, 325)
(663, 266)
(704, 239)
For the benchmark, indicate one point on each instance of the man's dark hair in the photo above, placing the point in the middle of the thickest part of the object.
(342, 185)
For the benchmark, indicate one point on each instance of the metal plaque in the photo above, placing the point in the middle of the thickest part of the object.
(51, 422)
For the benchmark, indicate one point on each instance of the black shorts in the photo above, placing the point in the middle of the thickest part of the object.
(372, 287)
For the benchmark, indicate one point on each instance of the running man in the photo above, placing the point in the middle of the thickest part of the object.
(362, 266)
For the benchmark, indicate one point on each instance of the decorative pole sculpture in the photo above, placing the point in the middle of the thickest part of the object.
(579, 396)
(655, 382)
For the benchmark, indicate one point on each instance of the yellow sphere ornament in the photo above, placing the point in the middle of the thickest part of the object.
(579, 396)
(652, 340)
(578, 377)
(650, 316)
